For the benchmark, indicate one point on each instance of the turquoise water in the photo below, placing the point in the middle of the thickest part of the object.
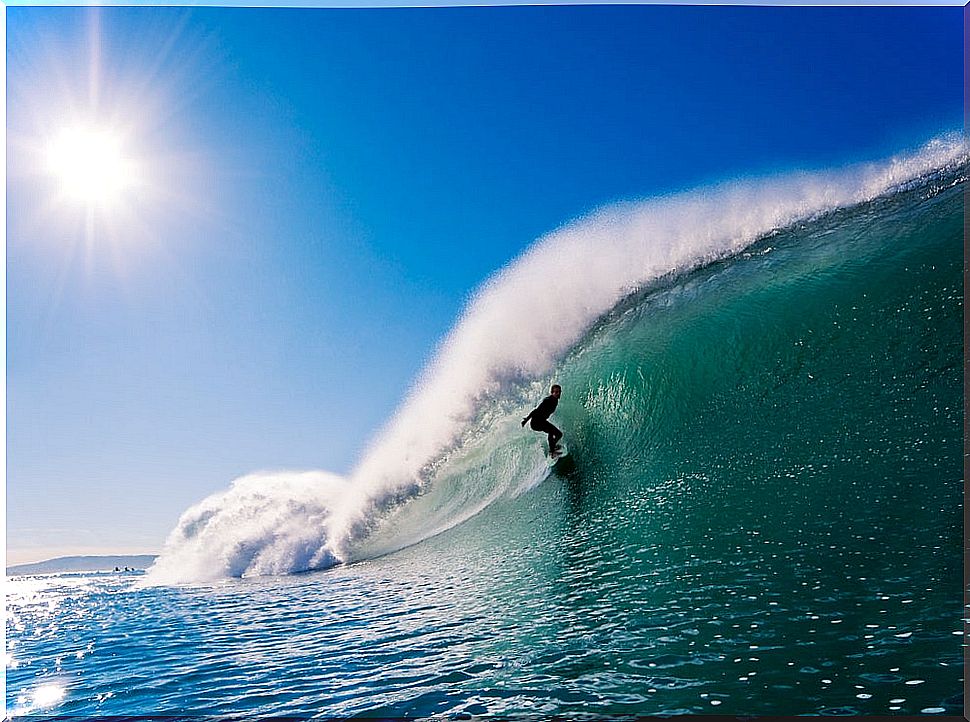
(761, 514)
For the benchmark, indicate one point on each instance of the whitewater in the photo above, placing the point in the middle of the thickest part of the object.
(453, 444)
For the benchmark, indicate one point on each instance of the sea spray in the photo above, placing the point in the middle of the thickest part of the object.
(264, 524)
(585, 269)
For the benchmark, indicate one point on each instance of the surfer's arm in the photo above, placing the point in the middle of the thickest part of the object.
(528, 417)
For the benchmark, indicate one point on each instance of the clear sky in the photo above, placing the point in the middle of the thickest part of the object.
(308, 197)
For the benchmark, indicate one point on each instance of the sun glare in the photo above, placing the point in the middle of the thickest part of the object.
(101, 165)
(89, 166)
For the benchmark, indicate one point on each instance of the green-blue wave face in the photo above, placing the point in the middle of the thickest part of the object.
(823, 367)
(762, 509)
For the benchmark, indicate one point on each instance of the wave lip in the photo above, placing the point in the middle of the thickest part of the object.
(584, 269)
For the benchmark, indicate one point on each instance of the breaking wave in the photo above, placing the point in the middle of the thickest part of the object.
(455, 445)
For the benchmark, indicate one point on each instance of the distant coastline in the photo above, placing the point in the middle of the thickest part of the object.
(84, 564)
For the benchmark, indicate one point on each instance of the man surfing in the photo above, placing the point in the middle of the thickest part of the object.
(540, 417)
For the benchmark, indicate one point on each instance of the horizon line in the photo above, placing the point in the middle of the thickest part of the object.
(8, 564)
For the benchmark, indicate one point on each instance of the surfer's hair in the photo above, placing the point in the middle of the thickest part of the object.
(555, 386)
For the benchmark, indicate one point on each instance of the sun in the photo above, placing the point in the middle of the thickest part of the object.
(89, 166)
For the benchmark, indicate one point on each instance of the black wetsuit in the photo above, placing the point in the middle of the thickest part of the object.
(540, 420)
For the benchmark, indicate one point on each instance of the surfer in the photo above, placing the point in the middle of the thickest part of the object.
(540, 417)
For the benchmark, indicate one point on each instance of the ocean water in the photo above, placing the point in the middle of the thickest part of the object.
(761, 512)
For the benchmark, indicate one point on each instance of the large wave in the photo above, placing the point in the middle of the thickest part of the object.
(462, 411)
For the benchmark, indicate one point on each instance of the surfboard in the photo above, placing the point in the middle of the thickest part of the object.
(562, 451)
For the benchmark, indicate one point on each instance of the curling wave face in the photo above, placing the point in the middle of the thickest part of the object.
(422, 476)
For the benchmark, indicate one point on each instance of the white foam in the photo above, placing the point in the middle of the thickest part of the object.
(264, 524)
(508, 331)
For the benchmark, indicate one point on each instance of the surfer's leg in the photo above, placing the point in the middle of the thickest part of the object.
(546, 428)
(554, 436)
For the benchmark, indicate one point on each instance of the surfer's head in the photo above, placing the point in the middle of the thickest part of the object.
(556, 390)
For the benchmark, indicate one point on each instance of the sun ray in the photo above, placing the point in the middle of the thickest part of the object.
(94, 57)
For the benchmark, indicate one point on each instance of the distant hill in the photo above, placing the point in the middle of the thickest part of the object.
(84, 564)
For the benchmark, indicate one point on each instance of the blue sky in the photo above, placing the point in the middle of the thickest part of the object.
(326, 187)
